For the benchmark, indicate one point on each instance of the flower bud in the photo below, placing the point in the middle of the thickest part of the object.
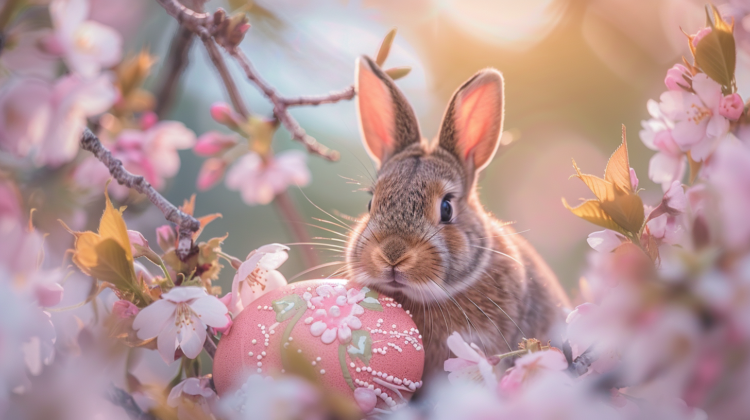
(222, 113)
(148, 120)
(165, 237)
(211, 173)
(213, 143)
(124, 309)
(700, 35)
(676, 77)
(731, 107)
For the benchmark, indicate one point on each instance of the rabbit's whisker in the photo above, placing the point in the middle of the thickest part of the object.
(315, 243)
(507, 234)
(315, 268)
(321, 238)
(333, 223)
(498, 252)
(326, 229)
(510, 348)
(471, 324)
(503, 310)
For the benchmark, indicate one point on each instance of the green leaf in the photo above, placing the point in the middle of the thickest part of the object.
(716, 53)
(361, 346)
(396, 73)
(591, 210)
(371, 301)
(112, 265)
(288, 306)
(385, 47)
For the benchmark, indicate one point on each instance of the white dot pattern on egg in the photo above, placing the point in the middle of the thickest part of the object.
(362, 344)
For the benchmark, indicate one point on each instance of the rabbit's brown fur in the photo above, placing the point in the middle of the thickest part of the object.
(472, 274)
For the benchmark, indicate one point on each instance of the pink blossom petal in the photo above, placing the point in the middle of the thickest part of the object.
(605, 240)
(166, 343)
(184, 293)
(49, 294)
(211, 311)
(191, 337)
(665, 169)
(153, 319)
(462, 350)
(366, 399)
(454, 364)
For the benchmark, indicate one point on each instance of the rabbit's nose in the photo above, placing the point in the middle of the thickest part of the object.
(393, 249)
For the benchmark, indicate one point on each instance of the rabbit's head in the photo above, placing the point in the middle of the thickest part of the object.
(425, 234)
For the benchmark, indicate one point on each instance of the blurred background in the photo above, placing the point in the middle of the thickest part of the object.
(575, 70)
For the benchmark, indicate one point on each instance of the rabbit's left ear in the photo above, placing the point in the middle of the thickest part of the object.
(473, 122)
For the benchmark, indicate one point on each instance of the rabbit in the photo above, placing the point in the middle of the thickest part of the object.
(426, 240)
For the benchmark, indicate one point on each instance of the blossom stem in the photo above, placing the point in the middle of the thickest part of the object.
(187, 225)
(124, 400)
(294, 222)
(210, 347)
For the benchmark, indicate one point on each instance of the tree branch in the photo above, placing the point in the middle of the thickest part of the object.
(330, 98)
(221, 67)
(280, 109)
(209, 28)
(175, 65)
(186, 224)
(122, 399)
(210, 347)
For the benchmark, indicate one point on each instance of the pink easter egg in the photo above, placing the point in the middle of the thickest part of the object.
(362, 344)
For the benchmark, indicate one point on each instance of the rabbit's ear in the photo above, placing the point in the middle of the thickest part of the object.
(473, 122)
(386, 119)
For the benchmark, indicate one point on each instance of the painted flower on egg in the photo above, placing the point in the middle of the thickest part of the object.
(336, 312)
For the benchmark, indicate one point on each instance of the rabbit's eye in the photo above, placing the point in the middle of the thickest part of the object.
(369, 205)
(446, 210)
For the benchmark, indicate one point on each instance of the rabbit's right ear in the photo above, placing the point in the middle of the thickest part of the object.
(386, 120)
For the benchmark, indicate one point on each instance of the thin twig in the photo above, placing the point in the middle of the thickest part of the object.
(280, 109)
(330, 98)
(284, 203)
(209, 28)
(221, 67)
(210, 347)
(187, 225)
(582, 363)
(176, 63)
(122, 399)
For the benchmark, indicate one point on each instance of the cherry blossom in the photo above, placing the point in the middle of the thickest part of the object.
(605, 240)
(698, 119)
(531, 365)
(336, 313)
(470, 363)
(259, 182)
(213, 142)
(85, 45)
(190, 393)
(285, 397)
(152, 153)
(675, 79)
(669, 163)
(257, 276)
(179, 319)
(729, 173)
